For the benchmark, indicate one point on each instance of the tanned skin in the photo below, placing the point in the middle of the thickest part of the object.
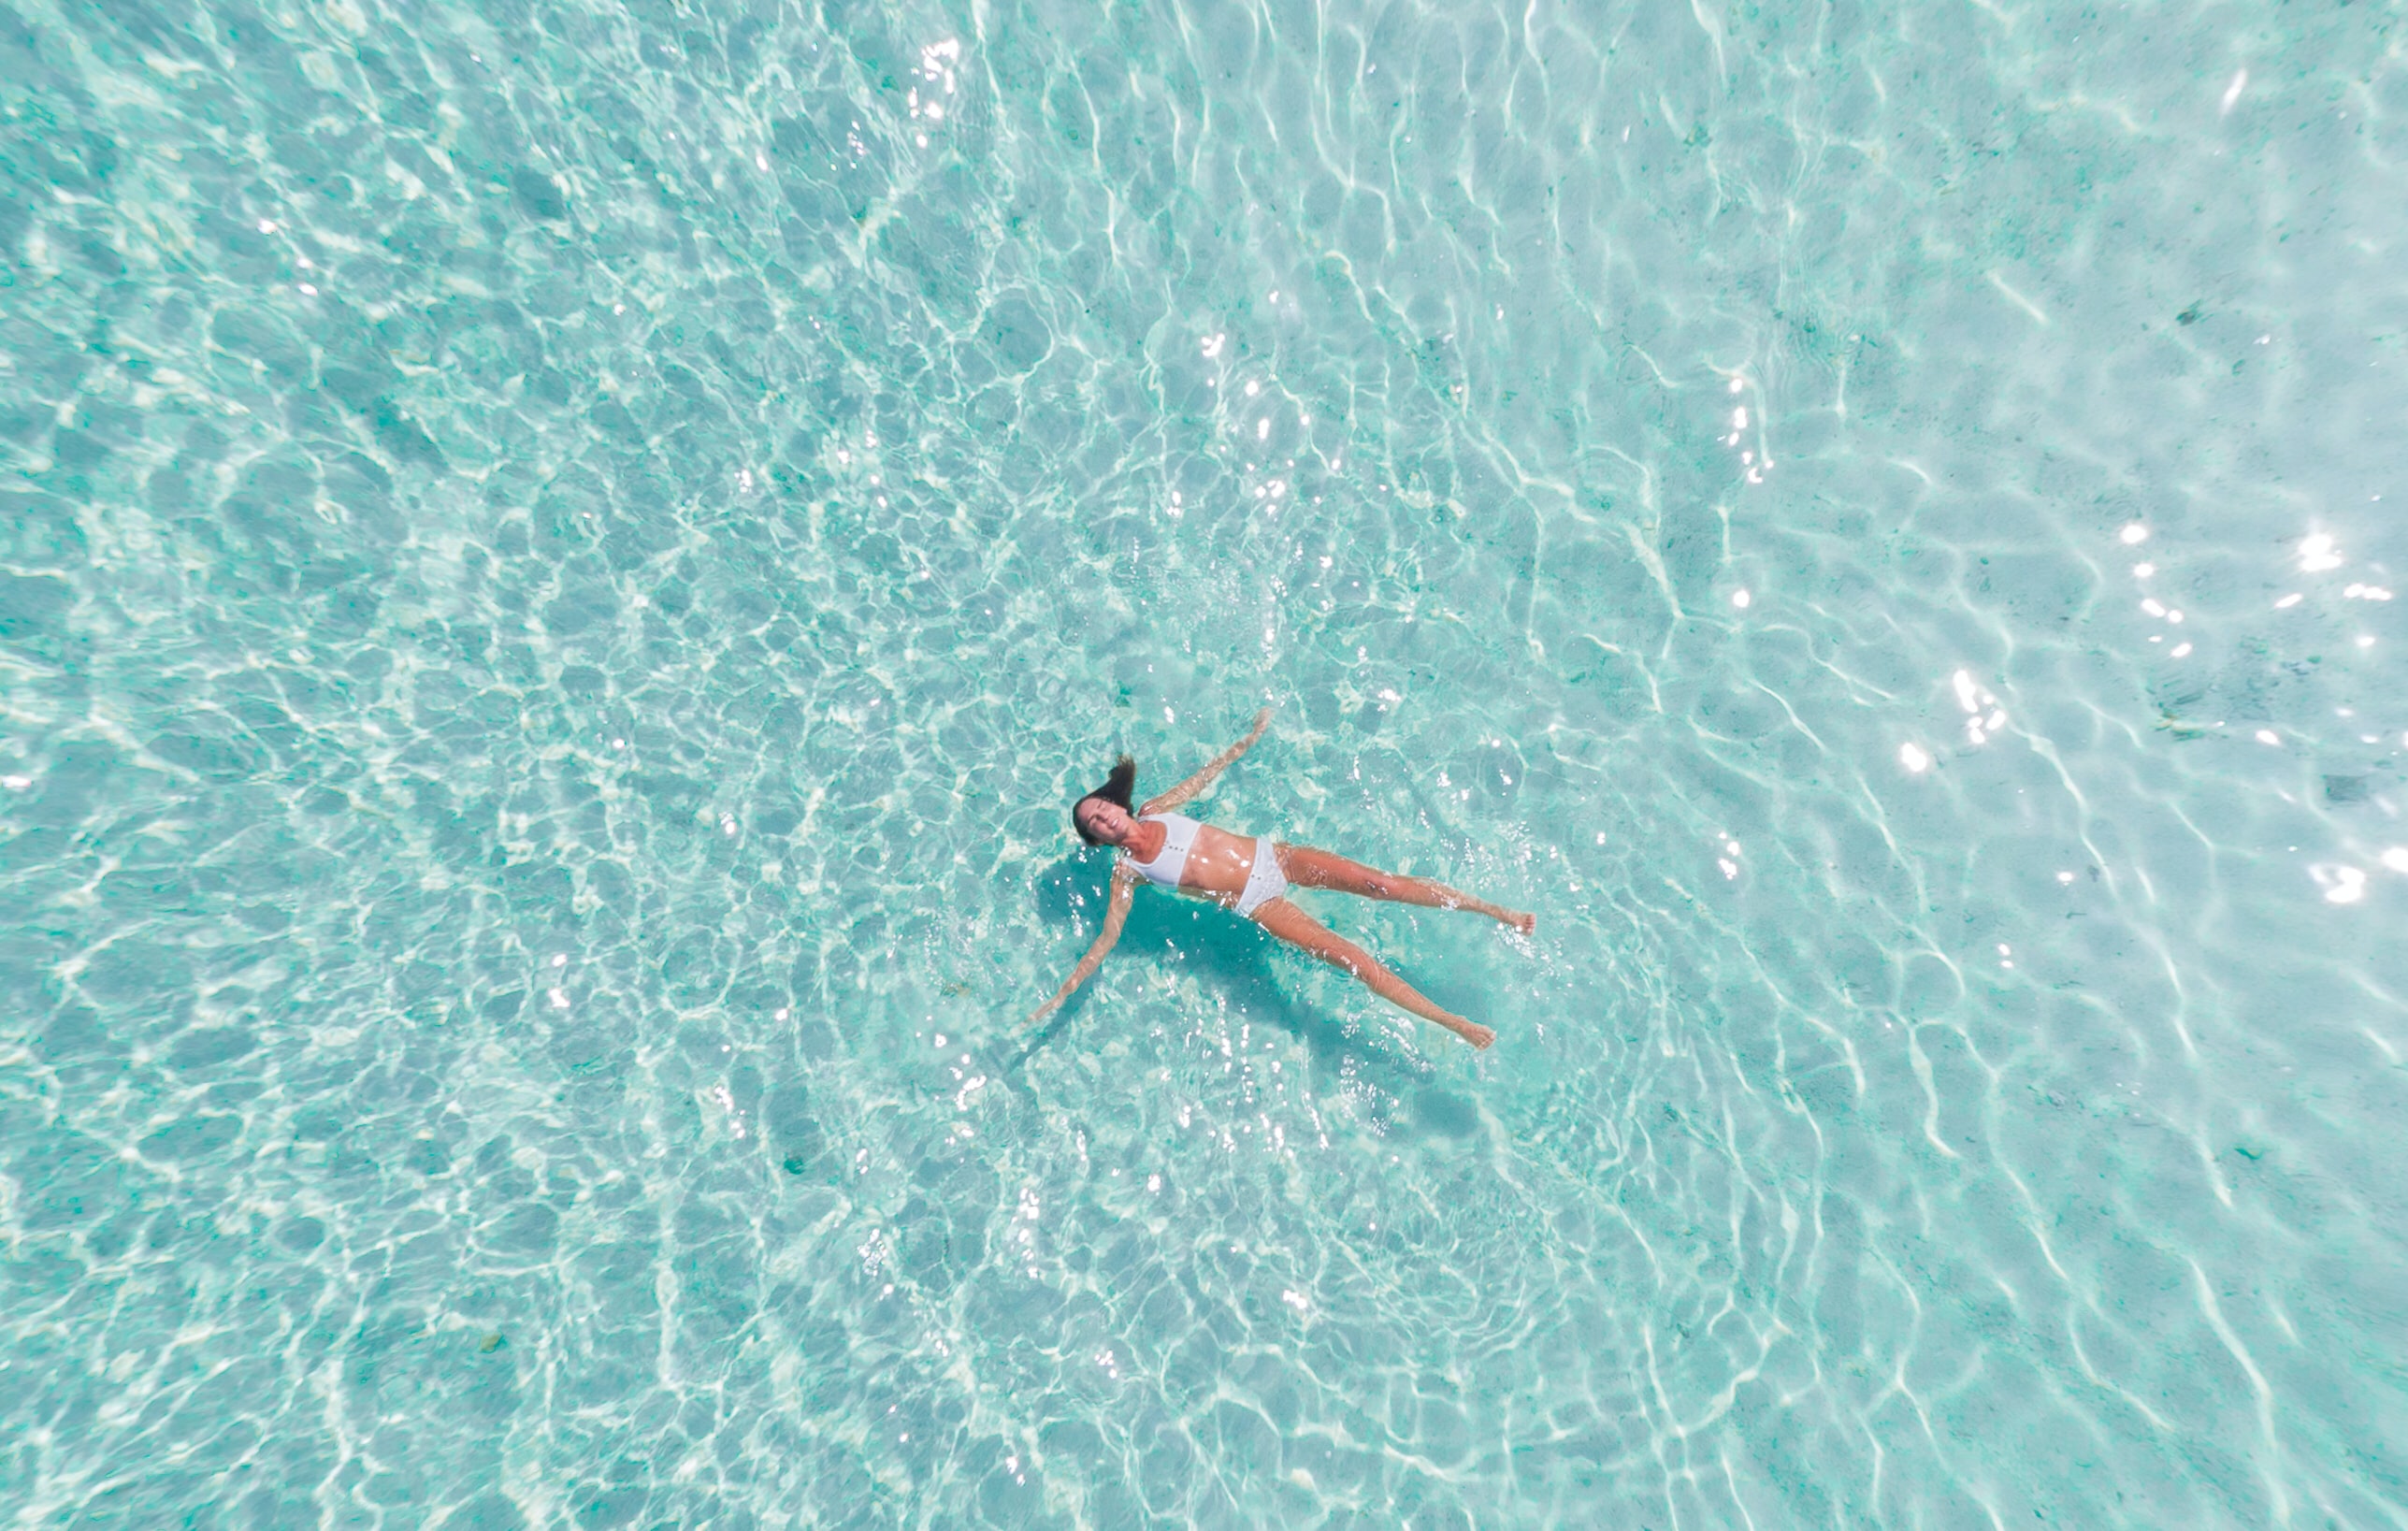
(1218, 865)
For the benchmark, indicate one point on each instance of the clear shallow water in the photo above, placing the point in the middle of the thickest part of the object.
(534, 770)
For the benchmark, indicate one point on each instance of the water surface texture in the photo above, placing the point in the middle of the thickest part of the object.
(561, 563)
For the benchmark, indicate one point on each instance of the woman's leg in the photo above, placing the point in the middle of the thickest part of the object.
(1301, 930)
(1308, 868)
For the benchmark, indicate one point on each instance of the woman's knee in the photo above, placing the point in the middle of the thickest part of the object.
(1336, 950)
(1349, 958)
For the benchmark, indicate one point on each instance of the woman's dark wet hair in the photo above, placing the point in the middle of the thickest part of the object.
(1119, 787)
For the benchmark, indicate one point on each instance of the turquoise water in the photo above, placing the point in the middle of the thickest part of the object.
(562, 565)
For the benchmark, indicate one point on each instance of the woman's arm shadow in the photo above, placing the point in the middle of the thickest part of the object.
(1226, 953)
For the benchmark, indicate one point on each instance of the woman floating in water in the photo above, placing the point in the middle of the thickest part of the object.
(1251, 874)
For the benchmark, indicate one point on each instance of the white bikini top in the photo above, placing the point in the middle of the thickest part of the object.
(1179, 832)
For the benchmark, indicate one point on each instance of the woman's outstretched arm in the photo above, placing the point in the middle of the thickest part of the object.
(1194, 785)
(1116, 913)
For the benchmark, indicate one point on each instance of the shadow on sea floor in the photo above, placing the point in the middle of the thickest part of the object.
(1233, 957)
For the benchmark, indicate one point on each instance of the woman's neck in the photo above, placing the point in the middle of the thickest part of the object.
(1146, 841)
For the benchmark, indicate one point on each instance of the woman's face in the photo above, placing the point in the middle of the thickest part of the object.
(1107, 821)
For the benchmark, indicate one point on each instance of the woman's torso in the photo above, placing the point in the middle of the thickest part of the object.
(1216, 862)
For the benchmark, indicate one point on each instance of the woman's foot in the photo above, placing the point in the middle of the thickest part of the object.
(1479, 1036)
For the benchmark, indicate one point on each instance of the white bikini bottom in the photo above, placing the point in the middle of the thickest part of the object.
(1265, 882)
